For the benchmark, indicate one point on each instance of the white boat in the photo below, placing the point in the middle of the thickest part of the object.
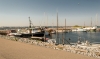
(13, 33)
(79, 29)
(90, 28)
(53, 32)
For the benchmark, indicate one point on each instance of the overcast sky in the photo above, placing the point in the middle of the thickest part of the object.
(44, 12)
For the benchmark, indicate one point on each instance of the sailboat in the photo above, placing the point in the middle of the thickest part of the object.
(91, 28)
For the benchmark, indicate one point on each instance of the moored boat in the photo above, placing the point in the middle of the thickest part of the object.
(37, 32)
(79, 29)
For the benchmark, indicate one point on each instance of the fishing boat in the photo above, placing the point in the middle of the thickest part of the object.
(33, 32)
(36, 32)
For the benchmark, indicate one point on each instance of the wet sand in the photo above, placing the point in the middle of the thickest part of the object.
(17, 50)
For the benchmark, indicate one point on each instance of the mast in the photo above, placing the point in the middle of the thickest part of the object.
(96, 19)
(57, 22)
(29, 23)
(65, 25)
(62, 33)
(57, 27)
(91, 21)
(30, 26)
(47, 20)
(44, 19)
(84, 24)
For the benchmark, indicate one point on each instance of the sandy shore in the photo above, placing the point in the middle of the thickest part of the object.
(17, 50)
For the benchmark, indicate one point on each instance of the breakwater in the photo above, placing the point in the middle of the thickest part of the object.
(87, 50)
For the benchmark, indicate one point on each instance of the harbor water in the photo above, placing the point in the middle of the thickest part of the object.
(72, 37)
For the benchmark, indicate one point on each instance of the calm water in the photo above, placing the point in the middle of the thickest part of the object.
(90, 36)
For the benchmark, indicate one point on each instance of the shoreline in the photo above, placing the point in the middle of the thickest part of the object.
(67, 48)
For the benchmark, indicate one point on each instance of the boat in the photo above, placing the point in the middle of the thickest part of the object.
(32, 32)
(53, 32)
(79, 29)
(90, 28)
(36, 32)
(13, 32)
(4, 32)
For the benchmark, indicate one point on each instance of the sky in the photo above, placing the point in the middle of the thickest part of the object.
(44, 12)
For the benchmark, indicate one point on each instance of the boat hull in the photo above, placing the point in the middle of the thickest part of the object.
(27, 35)
(79, 30)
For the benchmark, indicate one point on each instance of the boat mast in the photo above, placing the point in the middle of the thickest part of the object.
(96, 19)
(57, 22)
(47, 20)
(30, 26)
(57, 27)
(44, 19)
(91, 21)
(84, 24)
(65, 33)
(65, 25)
